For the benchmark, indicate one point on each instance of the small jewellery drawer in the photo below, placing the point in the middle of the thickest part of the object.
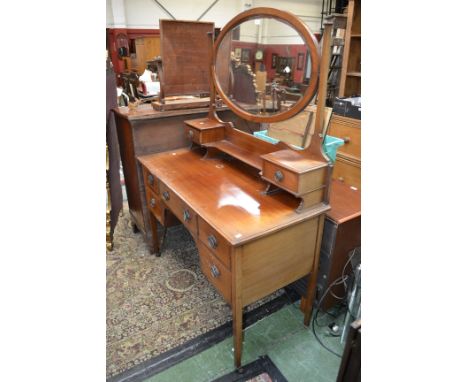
(154, 204)
(193, 135)
(215, 242)
(180, 209)
(150, 181)
(284, 178)
(215, 271)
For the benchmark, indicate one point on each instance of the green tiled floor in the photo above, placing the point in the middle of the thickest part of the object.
(290, 345)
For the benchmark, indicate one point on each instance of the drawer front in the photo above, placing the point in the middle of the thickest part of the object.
(215, 242)
(151, 181)
(215, 271)
(347, 171)
(350, 133)
(283, 178)
(193, 135)
(180, 209)
(154, 204)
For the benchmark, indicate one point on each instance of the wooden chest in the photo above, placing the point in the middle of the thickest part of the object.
(348, 160)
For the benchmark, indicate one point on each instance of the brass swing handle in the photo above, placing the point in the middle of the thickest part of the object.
(213, 243)
(279, 176)
(214, 271)
(166, 196)
(150, 179)
(153, 202)
(186, 215)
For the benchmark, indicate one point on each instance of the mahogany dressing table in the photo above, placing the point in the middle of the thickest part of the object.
(255, 209)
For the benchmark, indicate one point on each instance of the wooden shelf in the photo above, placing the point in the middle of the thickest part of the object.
(350, 81)
(237, 152)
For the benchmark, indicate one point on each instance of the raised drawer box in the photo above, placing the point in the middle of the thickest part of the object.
(204, 130)
(293, 172)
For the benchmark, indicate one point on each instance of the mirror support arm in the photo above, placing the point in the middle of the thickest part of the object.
(318, 137)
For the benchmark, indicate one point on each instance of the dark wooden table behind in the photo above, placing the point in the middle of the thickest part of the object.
(146, 131)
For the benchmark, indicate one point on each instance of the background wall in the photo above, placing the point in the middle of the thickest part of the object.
(142, 14)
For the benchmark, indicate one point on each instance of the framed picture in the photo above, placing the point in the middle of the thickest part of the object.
(237, 53)
(245, 57)
(274, 60)
(300, 61)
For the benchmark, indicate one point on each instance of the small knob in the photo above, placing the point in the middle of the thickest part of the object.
(214, 271)
(341, 179)
(150, 179)
(279, 176)
(186, 215)
(347, 139)
(190, 134)
(153, 202)
(165, 195)
(213, 243)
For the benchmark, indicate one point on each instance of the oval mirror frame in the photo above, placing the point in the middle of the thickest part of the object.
(310, 41)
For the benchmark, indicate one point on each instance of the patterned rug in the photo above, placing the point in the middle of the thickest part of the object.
(157, 303)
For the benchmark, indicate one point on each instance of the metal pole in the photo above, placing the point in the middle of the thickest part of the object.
(164, 9)
(204, 13)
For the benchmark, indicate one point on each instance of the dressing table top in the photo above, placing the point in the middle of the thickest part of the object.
(227, 193)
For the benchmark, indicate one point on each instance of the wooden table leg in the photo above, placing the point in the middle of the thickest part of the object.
(237, 305)
(154, 231)
(308, 300)
(237, 331)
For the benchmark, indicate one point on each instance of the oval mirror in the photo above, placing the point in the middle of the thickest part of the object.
(266, 65)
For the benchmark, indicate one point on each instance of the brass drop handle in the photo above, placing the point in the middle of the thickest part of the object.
(166, 196)
(153, 202)
(214, 271)
(213, 243)
(279, 176)
(190, 134)
(186, 215)
(150, 179)
(347, 139)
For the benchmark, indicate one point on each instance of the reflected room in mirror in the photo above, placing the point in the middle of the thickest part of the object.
(266, 78)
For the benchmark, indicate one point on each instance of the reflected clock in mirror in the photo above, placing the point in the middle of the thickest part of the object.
(266, 84)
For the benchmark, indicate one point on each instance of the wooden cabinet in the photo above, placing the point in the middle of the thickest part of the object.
(146, 131)
(146, 48)
(350, 82)
(341, 234)
(348, 159)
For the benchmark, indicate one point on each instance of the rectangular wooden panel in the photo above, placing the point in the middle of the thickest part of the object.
(180, 209)
(278, 259)
(348, 129)
(219, 247)
(312, 180)
(151, 181)
(347, 171)
(290, 180)
(186, 53)
(215, 271)
(155, 205)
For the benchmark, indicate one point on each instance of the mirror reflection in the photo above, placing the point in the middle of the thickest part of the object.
(261, 66)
